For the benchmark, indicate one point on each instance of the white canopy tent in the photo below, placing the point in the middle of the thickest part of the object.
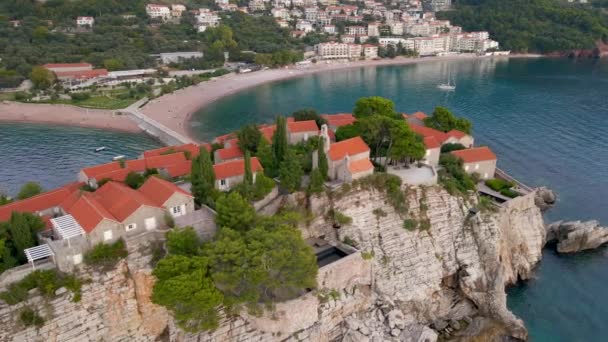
(38, 253)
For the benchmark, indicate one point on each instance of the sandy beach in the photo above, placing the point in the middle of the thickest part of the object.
(65, 115)
(174, 110)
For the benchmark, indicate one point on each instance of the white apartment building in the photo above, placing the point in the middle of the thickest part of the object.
(257, 5)
(158, 11)
(386, 41)
(85, 21)
(335, 50)
(329, 29)
(282, 13)
(370, 51)
(177, 10)
(356, 30)
(222, 2)
(373, 29)
(349, 39)
(418, 29)
(311, 13)
(206, 18)
(396, 28)
(304, 25)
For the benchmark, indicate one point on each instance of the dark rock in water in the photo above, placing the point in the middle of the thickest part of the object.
(545, 198)
(576, 236)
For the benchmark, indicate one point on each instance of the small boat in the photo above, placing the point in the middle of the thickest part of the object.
(99, 149)
(119, 157)
(448, 86)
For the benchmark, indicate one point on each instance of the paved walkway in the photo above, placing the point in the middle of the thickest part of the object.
(414, 175)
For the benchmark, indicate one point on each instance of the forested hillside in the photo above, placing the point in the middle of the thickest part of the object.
(532, 25)
(47, 33)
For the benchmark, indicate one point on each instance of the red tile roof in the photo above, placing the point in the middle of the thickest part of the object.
(346, 147)
(164, 161)
(86, 210)
(67, 65)
(476, 154)
(180, 169)
(120, 200)
(193, 149)
(82, 74)
(34, 204)
(118, 175)
(456, 134)
(339, 120)
(420, 115)
(94, 171)
(361, 165)
(230, 153)
(137, 165)
(429, 132)
(302, 126)
(159, 190)
(268, 132)
(235, 168)
(431, 142)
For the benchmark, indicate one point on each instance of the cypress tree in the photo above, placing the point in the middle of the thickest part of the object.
(279, 142)
(202, 178)
(322, 160)
(248, 173)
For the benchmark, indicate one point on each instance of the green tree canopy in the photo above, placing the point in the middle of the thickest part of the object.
(452, 175)
(29, 189)
(41, 77)
(262, 265)
(374, 105)
(19, 233)
(265, 156)
(233, 211)
(347, 132)
(308, 114)
(185, 287)
(279, 143)
(322, 158)
(443, 120)
(249, 137)
(290, 171)
(183, 241)
(134, 180)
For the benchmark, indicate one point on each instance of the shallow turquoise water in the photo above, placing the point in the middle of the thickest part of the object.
(548, 121)
(53, 155)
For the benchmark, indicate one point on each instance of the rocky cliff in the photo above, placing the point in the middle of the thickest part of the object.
(432, 269)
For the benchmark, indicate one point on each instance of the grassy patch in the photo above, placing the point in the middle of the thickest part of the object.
(410, 224)
(29, 317)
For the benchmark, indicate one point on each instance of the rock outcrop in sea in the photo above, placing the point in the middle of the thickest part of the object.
(576, 236)
(431, 269)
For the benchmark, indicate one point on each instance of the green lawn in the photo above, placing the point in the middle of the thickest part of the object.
(96, 102)
(7, 96)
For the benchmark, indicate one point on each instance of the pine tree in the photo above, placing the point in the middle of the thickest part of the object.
(279, 142)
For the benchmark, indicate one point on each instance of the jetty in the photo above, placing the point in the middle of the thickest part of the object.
(154, 128)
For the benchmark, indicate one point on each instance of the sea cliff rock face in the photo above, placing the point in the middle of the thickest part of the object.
(447, 278)
(576, 236)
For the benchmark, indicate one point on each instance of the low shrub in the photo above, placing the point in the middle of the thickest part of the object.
(80, 96)
(498, 184)
(106, 254)
(47, 282)
(410, 224)
(452, 147)
(29, 317)
(341, 219)
(509, 193)
(425, 224)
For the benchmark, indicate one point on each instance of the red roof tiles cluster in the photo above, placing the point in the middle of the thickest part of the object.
(360, 165)
(302, 126)
(235, 168)
(39, 202)
(475, 154)
(191, 149)
(348, 147)
(82, 74)
(339, 120)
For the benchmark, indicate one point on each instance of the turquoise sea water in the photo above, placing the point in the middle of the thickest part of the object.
(53, 155)
(547, 119)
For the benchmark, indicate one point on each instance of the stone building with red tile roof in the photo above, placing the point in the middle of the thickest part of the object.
(348, 159)
(480, 160)
(298, 131)
(231, 173)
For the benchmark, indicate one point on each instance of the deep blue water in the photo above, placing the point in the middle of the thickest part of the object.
(53, 155)
(547, 119)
